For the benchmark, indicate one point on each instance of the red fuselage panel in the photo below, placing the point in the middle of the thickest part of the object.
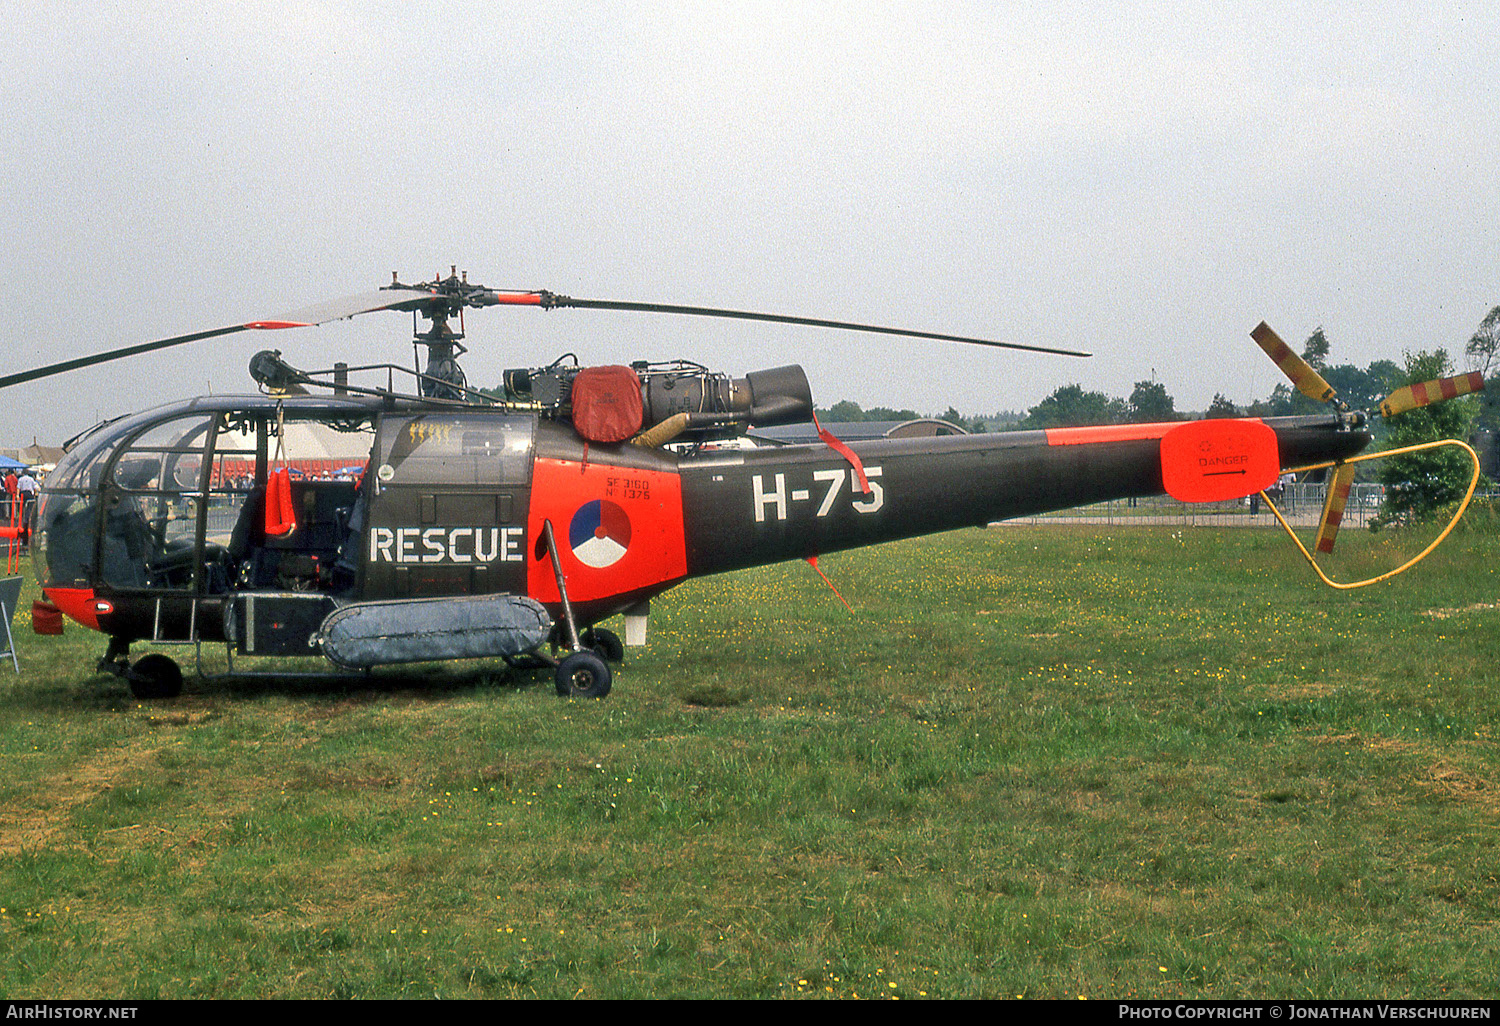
(618, 530)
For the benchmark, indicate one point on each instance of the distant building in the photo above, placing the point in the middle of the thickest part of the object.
(35, 455)
(855, 431)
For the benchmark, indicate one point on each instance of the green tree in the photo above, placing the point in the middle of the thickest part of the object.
(886, 413)
(1221, 407)
(1315, 350)
(1482, 347)
(1150, 403)
(842, 412)
(1284, 401)
(973, 427)
(1481, 352)
(1071, 406)
(1420, 484)
(952, 416)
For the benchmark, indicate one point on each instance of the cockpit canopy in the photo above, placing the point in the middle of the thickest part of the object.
(124, 507)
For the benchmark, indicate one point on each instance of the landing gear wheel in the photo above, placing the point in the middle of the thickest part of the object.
(583, 675)
(155, 676)
(605, 643)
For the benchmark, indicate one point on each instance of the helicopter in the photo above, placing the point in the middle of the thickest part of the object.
(372, 527)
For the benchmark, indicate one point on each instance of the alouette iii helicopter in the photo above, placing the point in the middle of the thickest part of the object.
(373, 528)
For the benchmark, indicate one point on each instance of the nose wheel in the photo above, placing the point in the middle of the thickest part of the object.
(154, 676)
(151, 676)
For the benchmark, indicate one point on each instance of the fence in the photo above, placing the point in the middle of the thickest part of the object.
(1301, 504)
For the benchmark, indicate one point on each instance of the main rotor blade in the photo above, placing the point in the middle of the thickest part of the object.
(547, 300)
(338, 309)
(1410, 397)
(349, 306)
(1308, 381)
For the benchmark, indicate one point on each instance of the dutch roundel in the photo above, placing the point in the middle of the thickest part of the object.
(599, 533)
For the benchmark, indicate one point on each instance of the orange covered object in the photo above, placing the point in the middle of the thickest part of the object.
(281, 517)
(607, 403)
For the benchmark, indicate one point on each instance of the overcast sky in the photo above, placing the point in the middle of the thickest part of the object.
(1143, 181)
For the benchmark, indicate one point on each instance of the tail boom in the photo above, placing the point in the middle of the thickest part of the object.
(749, 508)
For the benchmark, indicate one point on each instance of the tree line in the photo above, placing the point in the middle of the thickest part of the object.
(1150, 402)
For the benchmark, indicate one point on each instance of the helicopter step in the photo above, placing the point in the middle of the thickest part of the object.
(365, 634)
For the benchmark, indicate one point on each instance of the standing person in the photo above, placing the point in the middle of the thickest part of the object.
(1285, 483)
(11, 512)
(26, 489)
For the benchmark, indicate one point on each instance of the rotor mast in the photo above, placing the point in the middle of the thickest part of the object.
(442, 378)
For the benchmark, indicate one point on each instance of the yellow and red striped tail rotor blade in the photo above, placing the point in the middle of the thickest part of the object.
(1333, 507)
(1308, 381)
(1409, 397)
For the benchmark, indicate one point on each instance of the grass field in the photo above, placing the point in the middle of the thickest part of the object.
(1037, 761)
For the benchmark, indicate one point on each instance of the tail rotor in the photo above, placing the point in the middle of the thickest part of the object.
(1408, 397)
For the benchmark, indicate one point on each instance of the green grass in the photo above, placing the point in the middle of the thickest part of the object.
(1039, 761)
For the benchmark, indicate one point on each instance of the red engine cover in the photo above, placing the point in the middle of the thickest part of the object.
(607, 403)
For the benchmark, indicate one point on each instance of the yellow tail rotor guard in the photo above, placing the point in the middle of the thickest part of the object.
(1458, 514)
